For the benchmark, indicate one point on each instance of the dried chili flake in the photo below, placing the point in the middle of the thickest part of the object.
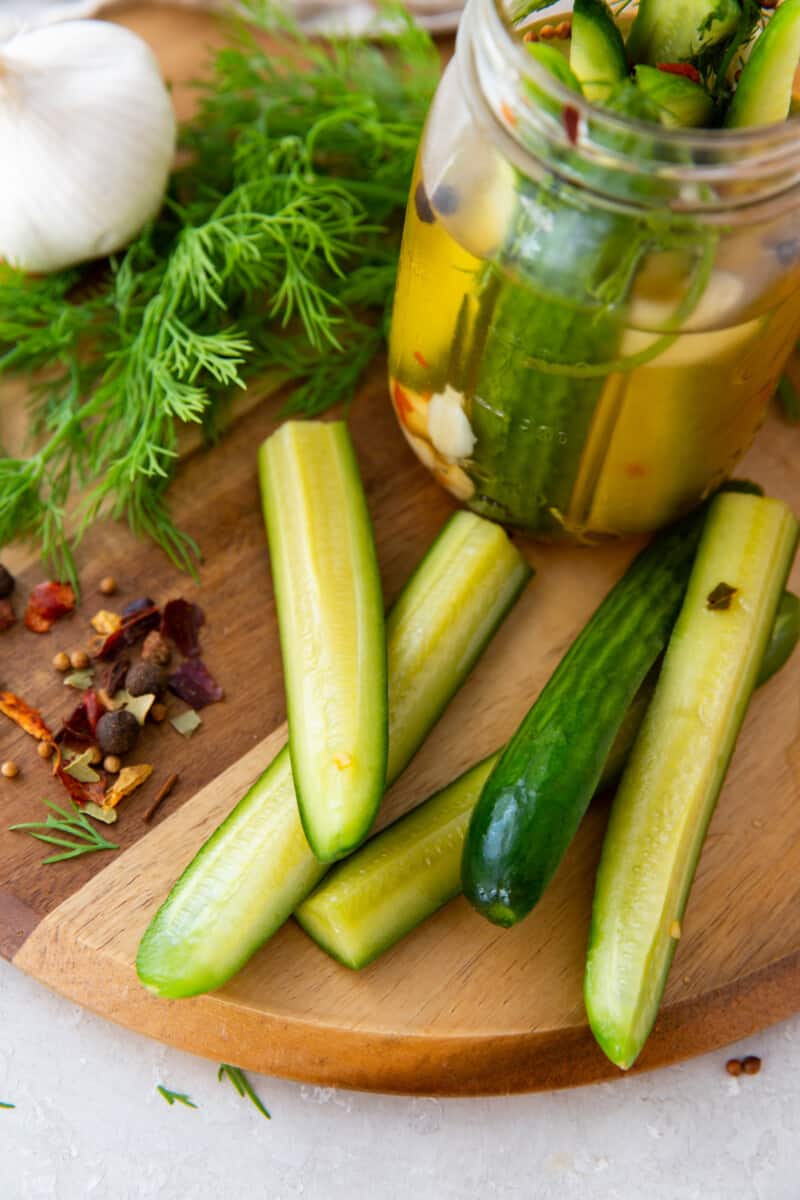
(194, 683)
(572, 119)
(181, 623)
(7, 615)
(134, 607)
(128, 780)
(133, 628)
(47, 602)
(29, 719)
(421, 359)
(402, 402)
(79, 792)
(681, 68)
(80, 726)
(115, 675)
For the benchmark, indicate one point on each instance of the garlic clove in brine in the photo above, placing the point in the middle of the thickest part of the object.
(87, 140)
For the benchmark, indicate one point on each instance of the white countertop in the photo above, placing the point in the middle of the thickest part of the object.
(89, 1123)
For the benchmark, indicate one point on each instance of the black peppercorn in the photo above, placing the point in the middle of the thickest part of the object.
(145, 678)
(6, 582)
(117, 732)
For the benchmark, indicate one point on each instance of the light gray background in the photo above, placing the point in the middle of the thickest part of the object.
(89, 1125)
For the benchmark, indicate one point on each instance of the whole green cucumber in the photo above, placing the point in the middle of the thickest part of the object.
(536, 797)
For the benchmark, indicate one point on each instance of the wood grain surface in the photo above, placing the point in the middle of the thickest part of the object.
(460, 1007)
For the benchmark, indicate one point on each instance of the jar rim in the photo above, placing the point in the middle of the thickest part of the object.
(783, 132)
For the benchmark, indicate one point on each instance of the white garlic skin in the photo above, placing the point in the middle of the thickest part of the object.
(87, 141)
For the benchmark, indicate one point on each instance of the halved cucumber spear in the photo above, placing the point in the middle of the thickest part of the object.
(407, 872)
(764, 92)
(670, 787)
(330, 616)
(257, 866)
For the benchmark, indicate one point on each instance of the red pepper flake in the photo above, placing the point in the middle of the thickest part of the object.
(133, 629)
(402, 403)
(80, 726)
(7, 615)
(80, 793)
(181, 623)
(509, 116)
(681, 68)
(571, 118)
(636, 471)
(47, 602)
(421, 359)
(194, 683)
(29, 719)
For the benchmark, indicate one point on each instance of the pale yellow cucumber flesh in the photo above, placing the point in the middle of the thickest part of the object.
(330, 616)
(678, 764)
(257, 867)
(397, 879)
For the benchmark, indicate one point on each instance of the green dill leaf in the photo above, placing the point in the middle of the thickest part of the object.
(80, 836)
(3, 1104)
(172, 1097)
(274, 255)
(243, 1086)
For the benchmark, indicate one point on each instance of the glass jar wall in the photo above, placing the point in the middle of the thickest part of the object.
(592, 312)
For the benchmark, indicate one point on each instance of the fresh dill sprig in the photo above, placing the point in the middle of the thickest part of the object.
(69, 828)
(276, 250)
(242, 1085)
(172, 1097)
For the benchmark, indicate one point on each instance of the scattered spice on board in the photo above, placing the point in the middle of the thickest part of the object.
(47, 603)
(119, 695)
(751, 1065)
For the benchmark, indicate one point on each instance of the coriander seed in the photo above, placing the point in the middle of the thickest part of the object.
(111, 764)
(9, 769)
(45, 749)
(95, 755)
(61, 661)
(108, 585)
(79, 660)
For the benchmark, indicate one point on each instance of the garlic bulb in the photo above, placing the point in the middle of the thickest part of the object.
(87, 139)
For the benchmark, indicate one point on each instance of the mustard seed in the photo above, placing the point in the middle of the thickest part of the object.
(79, 660)
(564, 30)
(111, 764)
(751, 1065)
(9, 769)
(158, 712)
(61, 661)
(734, 1066)
(45, 749)
(108, 585)
(547, 32)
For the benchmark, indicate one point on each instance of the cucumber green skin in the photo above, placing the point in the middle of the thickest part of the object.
(257, 866)
(412, 868)
(764, 92)
(597, 51)
(784, 638)
(537, 795)
(554, 62)
(558, 294)
(682, 104)
(625, 945)
(234, 894)
(667, 31)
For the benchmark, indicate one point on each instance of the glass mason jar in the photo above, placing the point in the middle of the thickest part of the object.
(592, 312)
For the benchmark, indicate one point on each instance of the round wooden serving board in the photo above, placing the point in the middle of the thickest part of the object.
(460, 1007)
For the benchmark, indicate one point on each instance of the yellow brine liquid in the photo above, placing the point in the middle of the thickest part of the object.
(585, 455)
